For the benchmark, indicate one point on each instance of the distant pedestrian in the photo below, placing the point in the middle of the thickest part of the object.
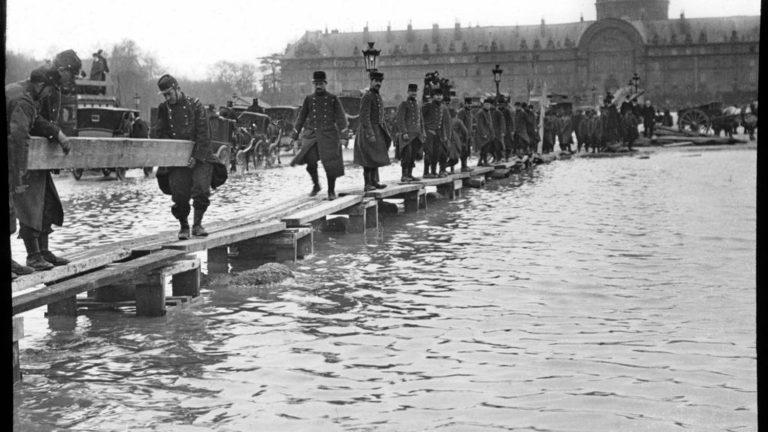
(466, 118)
(184, 118)
(410, 126)
(648, 113)
(99, 69)
(320, 123)
(499, 128)
(139, 128)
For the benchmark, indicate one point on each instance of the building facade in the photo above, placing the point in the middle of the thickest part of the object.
(680, 61)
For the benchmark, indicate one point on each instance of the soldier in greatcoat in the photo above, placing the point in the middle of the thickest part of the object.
(38, 207)
(499, 129)
(550, 132)
(532, 125)
(410, 127)
(184, 118)
(484, 132)
(320, 122)
(437, 124)
(564, 132)
(509, 128)
(458, 143)
(21, 100)
(372, 146)
(522, 140)
(611, 122)
(468, 120)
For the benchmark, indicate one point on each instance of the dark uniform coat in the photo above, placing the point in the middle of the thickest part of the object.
(521, 130)
(373, 139)
(41, 195)
(20, 112)
(612, 125)
(565, 131)
(437, 121)
(140, 129)
(465, 115)
(410, 120)
(459, 136)
(320, 121)
(484, 132)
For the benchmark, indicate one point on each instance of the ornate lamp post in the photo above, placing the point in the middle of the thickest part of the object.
(497, 71)
(370, 55)
(635, 81)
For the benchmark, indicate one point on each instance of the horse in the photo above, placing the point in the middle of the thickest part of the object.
(727, 122)
(244, 145)
(749, 119)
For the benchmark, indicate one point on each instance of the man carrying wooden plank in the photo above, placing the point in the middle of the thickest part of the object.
(182, 117)
(373, 138)
(21, 110)
(320, 122)
(38, 207)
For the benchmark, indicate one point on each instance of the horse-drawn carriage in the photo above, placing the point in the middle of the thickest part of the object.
(256, 138)
(717, 117)
(284, 116)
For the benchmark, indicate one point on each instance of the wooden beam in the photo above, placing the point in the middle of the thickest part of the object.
(32, 299)
(91, 152)
(392, 191)
(226, 237)
(320, 211)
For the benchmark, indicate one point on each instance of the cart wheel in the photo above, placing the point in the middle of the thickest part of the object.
(77, 173)
(120, 173)
(694, 120)
(148, 171)
(106, 171)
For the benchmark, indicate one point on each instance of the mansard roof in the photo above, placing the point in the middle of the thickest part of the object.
(510, 38)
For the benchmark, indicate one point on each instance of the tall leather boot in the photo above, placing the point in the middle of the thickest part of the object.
(331, 187)
(404, 177)
(184, 229)
(375, 179)
(367, 177)
(410, 173)
(312, 170)
(426, 170)
(34, 257)
(47, 254)
(197, 224)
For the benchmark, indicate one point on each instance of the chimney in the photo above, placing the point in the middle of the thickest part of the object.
(435, 34)
(366, 35)
(457, 31)
(542, 26)
(409, 36)
(581, 18)
(389, 32)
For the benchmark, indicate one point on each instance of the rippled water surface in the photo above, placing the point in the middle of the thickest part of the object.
(584, 295)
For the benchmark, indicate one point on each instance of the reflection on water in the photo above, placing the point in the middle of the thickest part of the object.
(604, 294)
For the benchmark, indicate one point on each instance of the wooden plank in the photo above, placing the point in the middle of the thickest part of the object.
(92, 152)
(435, 181)
(320, 211)
(128, 270)
(477, 171)
(18, 328)
(393, 191)
(226, 237)
(74, 268)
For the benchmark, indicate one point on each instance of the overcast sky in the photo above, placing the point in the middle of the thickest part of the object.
(189, 36)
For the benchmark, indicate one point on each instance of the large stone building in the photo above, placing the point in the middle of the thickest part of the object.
(680, 61)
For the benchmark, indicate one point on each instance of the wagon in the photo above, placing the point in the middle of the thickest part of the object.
(284, 116)
(703, 118)
(103, 122)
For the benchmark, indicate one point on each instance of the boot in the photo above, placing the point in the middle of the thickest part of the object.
(19, 269)
(375, 179)
(368, 186)
(197, 224)
(47, 254)
(404, 178)
(34, 258)
(312, 170)
(426, 170)
(331, 188)
(410, 175)
(184, 230)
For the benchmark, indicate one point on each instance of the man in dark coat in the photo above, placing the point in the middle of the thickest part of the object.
(99, 69)
(612, 123)
(499, 129)
(648, 113)
(21, 110)
(564, 132)
(532, 128)
(139, 128)
(372, 145)
(467, 119)
(184, 118)
(458, 142)
(550, 132)
(522, 139)
(437, 124)
(255, 107)
(38, 207)
(509, 129)
(321, 120)
(410, 126)
(630, 128)
(484, 133)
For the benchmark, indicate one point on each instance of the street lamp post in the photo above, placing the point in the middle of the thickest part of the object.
(136, 100)
(635, 82)
(370, 55)
(497, 78)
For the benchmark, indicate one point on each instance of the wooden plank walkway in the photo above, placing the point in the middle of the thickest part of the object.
(226, 237)
(320, 211)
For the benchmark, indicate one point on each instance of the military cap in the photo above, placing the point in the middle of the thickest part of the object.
(437, 91)
(467, 100)
(39, 75)
(378, 76)
(318, 76)
(517, 104)
(413, 87)
(166, 82)
(69, 61)
(488, 100)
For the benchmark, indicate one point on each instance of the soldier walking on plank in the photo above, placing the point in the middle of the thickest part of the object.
(184, 118)
(437, 124)
(484, 134)
(372, 145)
(320, 123)
(410, 123)
(466, 118)
(38, 207)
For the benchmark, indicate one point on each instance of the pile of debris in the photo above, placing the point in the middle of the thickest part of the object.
(671, 137)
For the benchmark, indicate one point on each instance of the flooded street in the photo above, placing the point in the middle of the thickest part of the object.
(612, 294)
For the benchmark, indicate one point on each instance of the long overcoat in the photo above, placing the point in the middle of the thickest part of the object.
(459, 136)
(373, 138)
(40, 192)
(410, 120)
(484, 132)
(320, 122)
(20, 111)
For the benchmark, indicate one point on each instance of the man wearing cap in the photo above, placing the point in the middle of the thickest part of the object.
(499, 128)
(38, 207)
(410, 125)
(184, 118)
(522, 140)
(372, 144)
(509, 128)
(437, 125)
(320, 123)
(465, 116)
(21, 110)
(99, 69)
(484, 132)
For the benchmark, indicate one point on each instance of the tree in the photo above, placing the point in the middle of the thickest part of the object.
(18, 66)
(240, 76)
(270, 69)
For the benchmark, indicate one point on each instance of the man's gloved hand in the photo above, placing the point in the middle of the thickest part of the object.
(295, 135)
(64, 143)
(191, 163)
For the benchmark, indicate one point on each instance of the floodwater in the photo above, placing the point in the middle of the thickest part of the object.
(584, 295)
